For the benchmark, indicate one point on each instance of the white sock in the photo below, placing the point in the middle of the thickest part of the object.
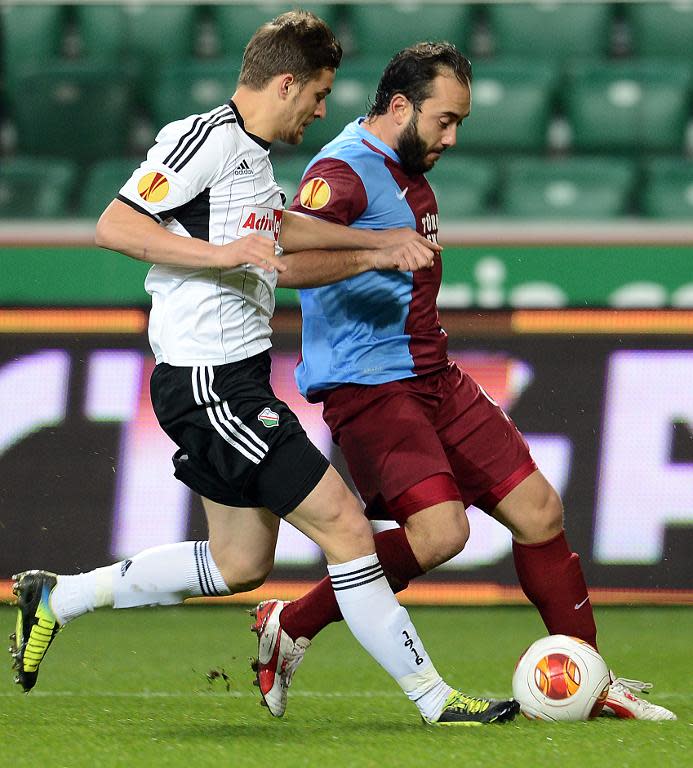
(163, 575)
(385, 630)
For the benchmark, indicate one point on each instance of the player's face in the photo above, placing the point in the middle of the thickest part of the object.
(307, 105)
(433, 129)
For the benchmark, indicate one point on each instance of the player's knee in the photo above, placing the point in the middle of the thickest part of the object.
(347, 534)
(553, 514)
(350, 524)
(439, 536)
(452, 541)
(242, 574)
(547, 520)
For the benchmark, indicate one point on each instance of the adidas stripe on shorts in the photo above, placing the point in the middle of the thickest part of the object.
(238, 444)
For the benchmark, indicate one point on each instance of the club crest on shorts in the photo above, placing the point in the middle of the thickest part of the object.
(268, 418)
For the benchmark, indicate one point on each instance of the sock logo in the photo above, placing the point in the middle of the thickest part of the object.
(410, 644)
(124, 567)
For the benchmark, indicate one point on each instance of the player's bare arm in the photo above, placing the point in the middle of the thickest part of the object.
(311, 269)
(302, 233)
(123, 229)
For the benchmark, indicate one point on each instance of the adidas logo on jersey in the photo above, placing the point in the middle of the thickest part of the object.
(243, 169)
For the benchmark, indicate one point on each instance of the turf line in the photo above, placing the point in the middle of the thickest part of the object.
(252, 694)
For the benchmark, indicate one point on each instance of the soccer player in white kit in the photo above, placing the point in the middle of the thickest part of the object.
(205, 210)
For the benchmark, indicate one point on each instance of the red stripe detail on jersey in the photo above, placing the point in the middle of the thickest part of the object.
(428, 343)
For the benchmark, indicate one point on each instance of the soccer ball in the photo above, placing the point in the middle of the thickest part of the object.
(561, 678)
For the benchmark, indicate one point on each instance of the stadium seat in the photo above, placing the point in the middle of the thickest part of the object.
(639, 106)
(74, 111)
(143, 37)
(388, 27)
(463, 186)
(35, 188)
(663, 29)
(354, 86)
(193, 87)
(574, 188)
(31, 39)
(511, 107)
(550, 30)
(103, 182)
(103, 32)
(288, 171)
(235, 24)
(668, 189)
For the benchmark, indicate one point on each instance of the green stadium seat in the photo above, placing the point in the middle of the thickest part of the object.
(288, 171)
(193, 87)
(74, 111)
(35, 188)
(236, 24)
(141, 37)
(668, 189)
(511, 107)
(355, 84)
(574, 188)
(550, 30)
(103, 32)
(389, 27)
(663, 29)
(640, 106)
(463, 186)
(31, 40)
(103, 182)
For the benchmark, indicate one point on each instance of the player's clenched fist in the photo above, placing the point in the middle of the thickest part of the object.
(407, 257)
(403, 235)
(251, 249)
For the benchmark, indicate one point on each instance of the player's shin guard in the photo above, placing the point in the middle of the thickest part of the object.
(385, 630)
(551, 577)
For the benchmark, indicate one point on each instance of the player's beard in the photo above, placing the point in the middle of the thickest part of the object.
(413, 150)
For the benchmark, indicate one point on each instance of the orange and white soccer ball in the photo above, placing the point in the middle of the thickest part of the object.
(561, 678)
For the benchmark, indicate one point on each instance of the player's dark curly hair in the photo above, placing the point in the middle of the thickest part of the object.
(411, 72)
(297, 42)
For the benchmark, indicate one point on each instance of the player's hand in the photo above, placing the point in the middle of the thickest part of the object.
(403, 235)
(410, 256)
(251, 249)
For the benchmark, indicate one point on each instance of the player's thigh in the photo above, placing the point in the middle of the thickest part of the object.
(242, 541)
(532, 510)
(488, 454)
(333, 518)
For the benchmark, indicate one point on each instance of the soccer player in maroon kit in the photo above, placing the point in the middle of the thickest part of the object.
(422, 440)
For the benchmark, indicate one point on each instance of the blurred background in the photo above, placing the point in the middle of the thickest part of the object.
(567, 214)
(582, 110)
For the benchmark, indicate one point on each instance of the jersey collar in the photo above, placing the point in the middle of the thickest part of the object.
(374, 141)
(264, 144)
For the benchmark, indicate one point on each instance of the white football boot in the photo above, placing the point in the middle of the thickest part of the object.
(622, 703)
(278, 655)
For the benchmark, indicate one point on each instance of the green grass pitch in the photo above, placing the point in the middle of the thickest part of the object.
(130, 688)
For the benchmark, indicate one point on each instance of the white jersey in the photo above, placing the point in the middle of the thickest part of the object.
(206, 177)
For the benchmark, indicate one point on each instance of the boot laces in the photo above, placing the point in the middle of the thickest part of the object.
(464, 703)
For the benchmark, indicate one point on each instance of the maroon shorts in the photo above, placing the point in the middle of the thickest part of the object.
(417, 442)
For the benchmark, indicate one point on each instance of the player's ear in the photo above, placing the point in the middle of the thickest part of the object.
(286, 85)
(400, 109)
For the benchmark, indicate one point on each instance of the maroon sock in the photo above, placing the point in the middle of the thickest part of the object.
(309, 614)
(551, 577)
